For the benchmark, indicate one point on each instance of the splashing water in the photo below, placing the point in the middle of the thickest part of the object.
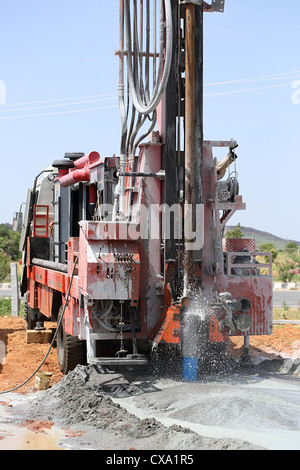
(198, 307)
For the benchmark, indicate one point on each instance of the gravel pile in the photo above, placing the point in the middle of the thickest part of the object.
(81, 401)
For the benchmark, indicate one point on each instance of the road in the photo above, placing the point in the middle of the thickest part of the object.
(291, 297)
(5, 293)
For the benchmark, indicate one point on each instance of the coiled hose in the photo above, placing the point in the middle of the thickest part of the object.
(143, 103)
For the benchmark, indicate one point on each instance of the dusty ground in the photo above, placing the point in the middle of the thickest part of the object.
(285, 342)
(65, 406)
(22, 359)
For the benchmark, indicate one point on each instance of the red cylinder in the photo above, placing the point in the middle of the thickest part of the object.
(77, 176)
(93, 157)
(93, 194)
(62, 172)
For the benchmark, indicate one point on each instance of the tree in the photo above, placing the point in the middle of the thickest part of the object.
(292, 247)
(4, 266)
(9, 242)
(9, 249)
(4, 231)
(236, 232)
(269, 248)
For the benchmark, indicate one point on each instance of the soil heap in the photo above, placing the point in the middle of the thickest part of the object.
(80, 402)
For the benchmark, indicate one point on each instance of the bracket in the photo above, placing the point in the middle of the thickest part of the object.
(216, 5)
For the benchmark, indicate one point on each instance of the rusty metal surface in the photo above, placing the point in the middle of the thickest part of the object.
(109, 264)
(149, 195)
(259, 290)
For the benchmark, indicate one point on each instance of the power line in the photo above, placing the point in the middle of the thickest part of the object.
(279, 76)
(61, 99)
(247, 90)
(56, 114)
(56, 105)
(111, 96)
(116, 106)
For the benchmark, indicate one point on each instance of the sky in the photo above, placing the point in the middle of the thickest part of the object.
(60, 73)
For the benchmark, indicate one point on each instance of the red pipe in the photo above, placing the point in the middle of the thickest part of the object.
(77, 176)
(62, 172)
(93, 157)
(93, 194)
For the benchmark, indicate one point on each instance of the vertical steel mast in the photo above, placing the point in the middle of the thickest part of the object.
(193, 106)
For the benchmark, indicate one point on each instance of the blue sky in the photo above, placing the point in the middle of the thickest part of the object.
(62, 52)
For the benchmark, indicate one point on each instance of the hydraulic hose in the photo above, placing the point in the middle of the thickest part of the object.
(142, 101)
(54, 337)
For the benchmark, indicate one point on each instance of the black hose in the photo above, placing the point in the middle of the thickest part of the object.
(54, 337)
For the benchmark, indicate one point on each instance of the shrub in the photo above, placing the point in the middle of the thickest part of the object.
(5, 307)
(4, 265)
(287, 270)
(269, 248)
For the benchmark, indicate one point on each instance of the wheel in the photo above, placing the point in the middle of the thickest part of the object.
(71, 352)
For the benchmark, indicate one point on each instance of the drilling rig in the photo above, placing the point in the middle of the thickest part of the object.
(128, 251)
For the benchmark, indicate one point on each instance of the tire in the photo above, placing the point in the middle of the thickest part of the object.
(71, 352)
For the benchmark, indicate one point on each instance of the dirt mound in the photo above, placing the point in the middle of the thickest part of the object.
(285, 341)
(79, 401)
(22, 359)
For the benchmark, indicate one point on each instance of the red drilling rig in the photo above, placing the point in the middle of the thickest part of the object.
(128, 251)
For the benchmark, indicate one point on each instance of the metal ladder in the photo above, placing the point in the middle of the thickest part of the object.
(41, 221)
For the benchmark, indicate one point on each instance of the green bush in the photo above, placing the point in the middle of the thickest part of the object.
(269, 248)
(288, 269)
(9, 250)
(4, 265)
(292, 248)
(5, 307)
(9, 242)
